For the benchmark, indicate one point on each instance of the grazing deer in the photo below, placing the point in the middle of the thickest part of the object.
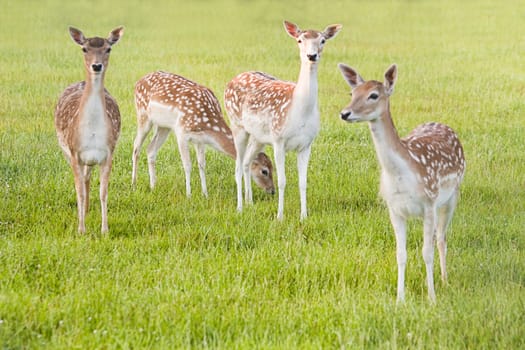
(420, 174)
(87, 122)
(171, 102)
(264, 110)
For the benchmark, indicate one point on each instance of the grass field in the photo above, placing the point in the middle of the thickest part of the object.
(193, 273)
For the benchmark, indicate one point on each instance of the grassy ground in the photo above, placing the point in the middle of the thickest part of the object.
(179, 273)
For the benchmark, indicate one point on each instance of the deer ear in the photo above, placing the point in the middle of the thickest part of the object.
(77, 36)
(292, 29)
(115, 35)
(350, 75)
(390, 79)
(331, 31)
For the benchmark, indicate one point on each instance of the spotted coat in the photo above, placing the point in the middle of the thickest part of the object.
(192, 111)
(437, 156)
(201, 111)
(259, 94)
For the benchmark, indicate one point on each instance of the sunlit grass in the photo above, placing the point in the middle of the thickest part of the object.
(180, 273)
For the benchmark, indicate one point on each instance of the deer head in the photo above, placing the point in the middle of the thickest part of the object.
(96, 50)
(369, 98)
(311, 42)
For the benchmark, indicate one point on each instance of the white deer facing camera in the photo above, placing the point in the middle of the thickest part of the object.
(266, 111)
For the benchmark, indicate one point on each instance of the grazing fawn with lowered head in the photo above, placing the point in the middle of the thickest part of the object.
(420, 174)
(170, 102)
(87, 122)
(264, 110)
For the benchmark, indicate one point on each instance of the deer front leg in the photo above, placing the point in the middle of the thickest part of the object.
(87, 179)
(105, 171)
(186, 162)
(399, 225)
(303, 158)
(158, 139)
(280, 155)
(80, 187)
(246, 170)
(200, 150)
(240, 138)
(252, 150)
(142, 132)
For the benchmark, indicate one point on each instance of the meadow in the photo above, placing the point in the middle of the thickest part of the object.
(175, 272)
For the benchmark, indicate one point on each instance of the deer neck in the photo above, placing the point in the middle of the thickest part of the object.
(93, 102)
(390, 151)
(227, 146)
(305, 92)
(95, 83)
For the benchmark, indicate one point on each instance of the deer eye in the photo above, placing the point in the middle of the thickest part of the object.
(264, 172)
(108, 50)
(373, 96)
(323, 41)
(299, 41)
(84, 50)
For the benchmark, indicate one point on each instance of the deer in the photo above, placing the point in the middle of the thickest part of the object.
(266, 111)
(87, 122)
(169, 102)
(420, 173)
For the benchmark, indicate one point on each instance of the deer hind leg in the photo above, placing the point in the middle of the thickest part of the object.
(429, 229)
(280, 155)
(445, 214)
(105, 171)
(303, 158)
(200, 150)
(240, 138)
(161, 134)
(400, 229)
(142, 131)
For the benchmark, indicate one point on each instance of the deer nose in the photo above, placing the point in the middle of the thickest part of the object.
(345, 115)
(312, 57)
(97, 67)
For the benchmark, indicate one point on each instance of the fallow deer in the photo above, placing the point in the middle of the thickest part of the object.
(170, 102)
(420, 174)
(264, 110)
(87, 122)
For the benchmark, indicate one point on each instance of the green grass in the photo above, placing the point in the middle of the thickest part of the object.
(179, 273)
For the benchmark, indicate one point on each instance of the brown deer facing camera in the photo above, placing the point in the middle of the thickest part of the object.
(87, 122)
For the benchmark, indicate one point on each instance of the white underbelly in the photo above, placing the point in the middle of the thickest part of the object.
(403, 195)
(446, 192)
(93, 141)
(297, 141)
(163, 115)
(300, 130)
(404, 204)
(258, 126)
(94, 148)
